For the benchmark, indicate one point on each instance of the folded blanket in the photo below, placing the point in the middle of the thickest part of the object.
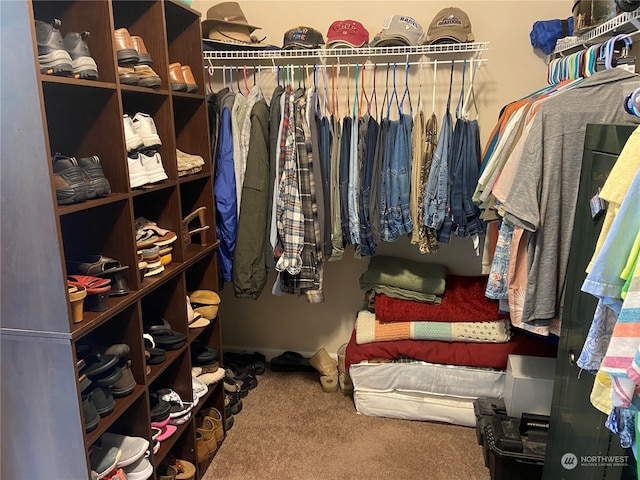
(463, 301)
(368, 330)
(401, 293)
(405, 274)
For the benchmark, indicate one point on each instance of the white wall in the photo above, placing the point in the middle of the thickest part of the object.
(273, 324)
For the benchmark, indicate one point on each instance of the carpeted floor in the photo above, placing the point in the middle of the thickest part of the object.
(290, 429)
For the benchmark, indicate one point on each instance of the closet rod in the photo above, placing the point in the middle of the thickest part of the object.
(340, 65)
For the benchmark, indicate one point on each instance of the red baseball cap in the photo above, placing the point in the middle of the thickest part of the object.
(347, 33)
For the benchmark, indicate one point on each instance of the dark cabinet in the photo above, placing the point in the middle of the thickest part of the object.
(577, 428)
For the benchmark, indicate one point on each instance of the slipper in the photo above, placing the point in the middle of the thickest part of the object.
(160, 424)
(199, 322)
(199, 388)
(167, 431)
(291, 362)
(156, 355)
(96, 363)
(92, 284)
(159, 408)
(202, 355)
(94, 265)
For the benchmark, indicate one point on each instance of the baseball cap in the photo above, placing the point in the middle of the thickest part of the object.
(302, 37)
(450, 25)
(399, 30)
(347, 33)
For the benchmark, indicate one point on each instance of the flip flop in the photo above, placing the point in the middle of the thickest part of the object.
(92, 284)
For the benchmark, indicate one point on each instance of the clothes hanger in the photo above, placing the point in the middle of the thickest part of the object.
(433, 95)
(385, 98)
(260, 92)
(326, 93)
(460, 105)
(246, 84)
(356, 104)
(348, 92)
(420, 75)
(406, 93)
(471, 94)
(394, 93)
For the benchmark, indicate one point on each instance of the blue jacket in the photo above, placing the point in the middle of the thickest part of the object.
(224, 190)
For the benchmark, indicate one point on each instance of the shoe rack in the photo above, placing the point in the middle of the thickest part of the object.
(43, 430)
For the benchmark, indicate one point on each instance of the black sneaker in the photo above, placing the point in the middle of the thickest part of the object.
(91, 417)
(69, 180)
(103, 400)
(52, 56)
(94, 175)
(83, 64)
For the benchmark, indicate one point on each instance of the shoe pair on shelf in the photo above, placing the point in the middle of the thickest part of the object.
(78, 179)
(68, 56)
(122, 455)
(154, 247)
(188, 164)
(181, 78)
(134, 61)
(143, 158)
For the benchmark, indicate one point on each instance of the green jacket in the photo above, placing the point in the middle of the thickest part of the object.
(249, 270)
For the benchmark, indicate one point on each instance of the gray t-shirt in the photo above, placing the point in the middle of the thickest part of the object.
(543, 196)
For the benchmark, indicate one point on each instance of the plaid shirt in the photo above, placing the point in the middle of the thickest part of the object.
(290, 220)
(308, 279)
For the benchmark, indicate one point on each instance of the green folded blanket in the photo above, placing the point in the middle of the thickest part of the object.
(404, 274)
(401, 293)
(369, 330)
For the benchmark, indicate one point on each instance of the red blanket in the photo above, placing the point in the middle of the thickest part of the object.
(462, 301)
(489, 355)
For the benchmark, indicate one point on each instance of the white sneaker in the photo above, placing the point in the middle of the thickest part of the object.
(146, 129)
(134, 141)
(137, 173)
(153, 166)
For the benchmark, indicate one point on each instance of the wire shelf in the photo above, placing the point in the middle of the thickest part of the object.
(624, 23)
(337, 53)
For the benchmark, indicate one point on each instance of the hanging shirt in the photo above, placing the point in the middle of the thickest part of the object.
(290, 218)
(545, 186)
(376, 178)
(306, 281)
(238, 113)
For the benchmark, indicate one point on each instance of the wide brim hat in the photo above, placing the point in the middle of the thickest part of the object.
(227, 36)
(223, 15)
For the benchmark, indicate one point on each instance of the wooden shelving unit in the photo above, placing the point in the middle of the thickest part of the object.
(43, 434)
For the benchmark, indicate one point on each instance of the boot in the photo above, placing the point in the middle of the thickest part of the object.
(328, 369)
(344, 379)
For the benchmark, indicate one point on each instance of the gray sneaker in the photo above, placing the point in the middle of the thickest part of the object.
(69, 181)
(83, 64)
(132, 448)
(52, 56)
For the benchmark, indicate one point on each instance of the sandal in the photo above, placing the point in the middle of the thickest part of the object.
(93, 285)
(94, 265)
(189, 232)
